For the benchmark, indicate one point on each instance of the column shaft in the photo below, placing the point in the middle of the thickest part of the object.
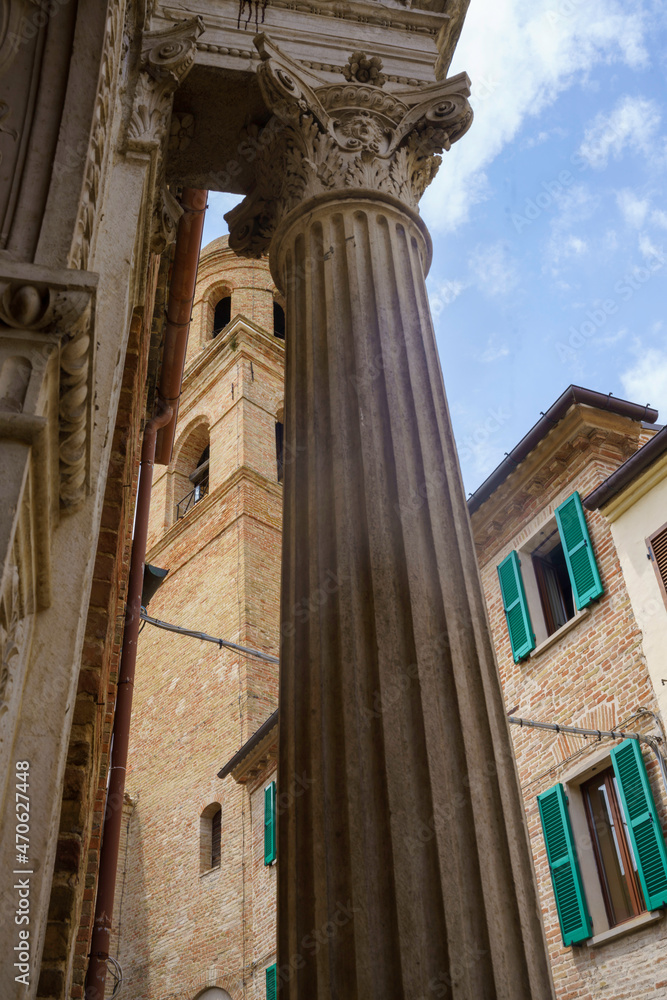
(404, 869)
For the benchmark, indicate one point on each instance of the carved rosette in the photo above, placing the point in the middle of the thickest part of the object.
(63, 316)
(326, 137)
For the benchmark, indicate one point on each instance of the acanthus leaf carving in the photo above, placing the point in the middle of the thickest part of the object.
(355, 135)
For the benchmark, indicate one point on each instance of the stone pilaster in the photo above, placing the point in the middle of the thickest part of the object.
(404, 871)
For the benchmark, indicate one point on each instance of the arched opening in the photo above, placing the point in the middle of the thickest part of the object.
(214, 993)
(191, 471)
(222, 315)
(210, 837)
(278, 321)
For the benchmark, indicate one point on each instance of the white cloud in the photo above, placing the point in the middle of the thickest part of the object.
(576, 205)
(520, 54)
(444, 293)
(632, 122)
(659, 218)
(494, 351)
(632, 208)
(649, 249)
(646, 381)
(493, 270)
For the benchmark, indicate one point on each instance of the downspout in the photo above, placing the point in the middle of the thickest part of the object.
(181, 296)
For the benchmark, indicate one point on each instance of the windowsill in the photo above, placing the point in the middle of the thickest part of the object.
(627, 927)
(209, 871)
(560, 632)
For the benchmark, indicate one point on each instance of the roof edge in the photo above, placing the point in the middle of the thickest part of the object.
(249, 745)
(626, 473)
(572, 395)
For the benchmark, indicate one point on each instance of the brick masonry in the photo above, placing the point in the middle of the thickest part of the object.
(183, 929)
(594, 676)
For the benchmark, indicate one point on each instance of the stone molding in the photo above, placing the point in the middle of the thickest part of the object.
(352, 136)
(38, 301)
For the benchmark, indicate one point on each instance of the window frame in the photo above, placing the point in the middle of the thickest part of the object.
(650, 545)
(637, 899)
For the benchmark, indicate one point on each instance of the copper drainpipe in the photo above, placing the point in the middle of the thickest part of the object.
(181, 296)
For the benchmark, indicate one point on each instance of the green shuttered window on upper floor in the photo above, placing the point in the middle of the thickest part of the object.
(515, 604)
(270, 823)
(573, 915)
(581, 564)
(272, 982)
(643, 825)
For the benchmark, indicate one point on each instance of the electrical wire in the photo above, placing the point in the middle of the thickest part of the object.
(194, 634)
(117, 974)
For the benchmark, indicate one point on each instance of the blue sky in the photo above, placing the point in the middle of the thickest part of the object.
(549, 218)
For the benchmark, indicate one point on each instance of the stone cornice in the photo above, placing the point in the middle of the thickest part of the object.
(243, 476)
(239, 327)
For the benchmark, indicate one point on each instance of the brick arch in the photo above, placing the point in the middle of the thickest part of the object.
(211, 978)
(216, 290)
(190, 444)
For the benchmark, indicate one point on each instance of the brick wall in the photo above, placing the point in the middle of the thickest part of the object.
(594, 676)
(196, 704)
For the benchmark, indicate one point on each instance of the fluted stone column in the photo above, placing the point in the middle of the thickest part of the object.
(404, 867)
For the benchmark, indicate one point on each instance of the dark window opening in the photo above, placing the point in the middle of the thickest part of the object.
(280, 452)
(553, 583)
(617, 868)
(216, 838)
(278, 321)
(222, 315)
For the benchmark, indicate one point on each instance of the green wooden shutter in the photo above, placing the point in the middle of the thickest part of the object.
(575, 921)
(579, 556)
(270, 823)
(516, 607)
(272, 982)
(643, 826)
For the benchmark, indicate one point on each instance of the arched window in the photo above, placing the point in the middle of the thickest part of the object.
(214, 993)
(210, 837)
(278, 321)
(191, 470)
(200, 476)
(222, 315)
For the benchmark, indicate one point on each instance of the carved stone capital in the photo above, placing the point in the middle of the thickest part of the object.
(166, 59)
(325, 137)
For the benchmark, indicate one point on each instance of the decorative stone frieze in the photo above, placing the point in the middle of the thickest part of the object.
(329, 137)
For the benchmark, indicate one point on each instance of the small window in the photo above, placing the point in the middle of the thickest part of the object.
(657, 550)
(278, 321)
(616, 864)
(553, 582)
(280, 453)
(210, 838)
(222, 315)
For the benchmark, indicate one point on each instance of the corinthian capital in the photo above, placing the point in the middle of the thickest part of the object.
(325, 137)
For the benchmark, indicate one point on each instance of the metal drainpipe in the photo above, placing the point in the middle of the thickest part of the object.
(183, 279)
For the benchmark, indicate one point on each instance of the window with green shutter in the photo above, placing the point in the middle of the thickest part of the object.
(519, 626)
(643, 825)
(575, 921)
(270, 823)
(272, 982)
(579, 555)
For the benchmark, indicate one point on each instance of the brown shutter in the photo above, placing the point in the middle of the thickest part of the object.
(657, 548)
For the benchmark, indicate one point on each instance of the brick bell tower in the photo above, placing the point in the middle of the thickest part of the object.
(184, 920)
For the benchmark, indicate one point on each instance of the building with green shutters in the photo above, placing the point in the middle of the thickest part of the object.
(569, 623)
